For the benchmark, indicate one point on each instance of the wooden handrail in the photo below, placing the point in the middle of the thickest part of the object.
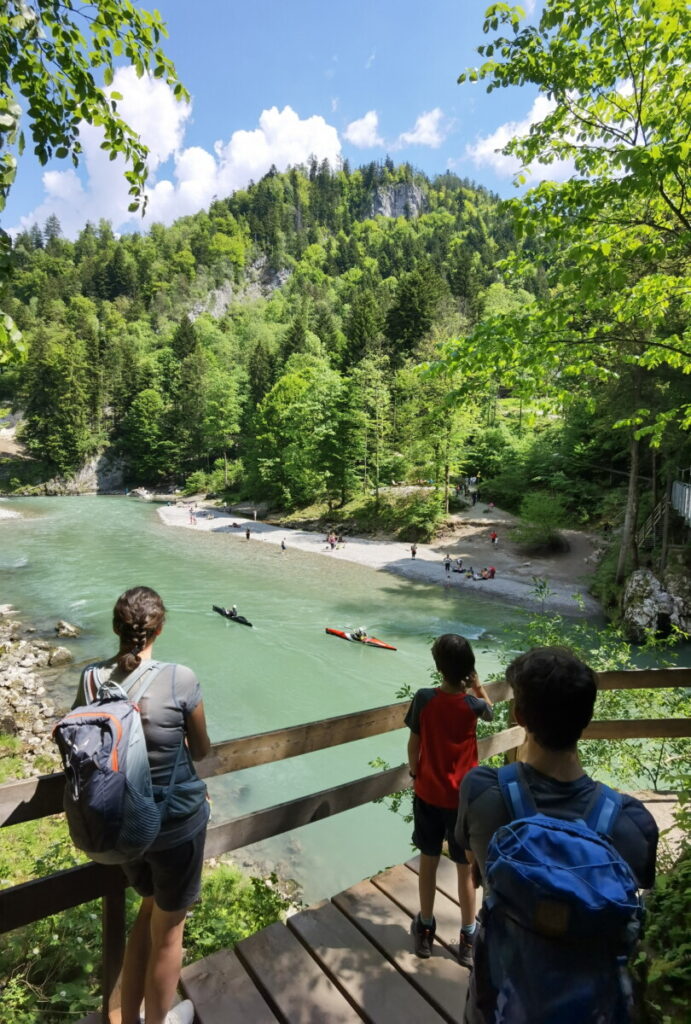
(30, 799)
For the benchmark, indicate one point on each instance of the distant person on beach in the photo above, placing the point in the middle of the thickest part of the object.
(413, 550)
(493, 537)
(447, 564)
(283, 544)
(247, 533)
(442, 747)
(492, 572)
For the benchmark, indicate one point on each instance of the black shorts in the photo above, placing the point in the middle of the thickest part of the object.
(432, 825)
(173, 877)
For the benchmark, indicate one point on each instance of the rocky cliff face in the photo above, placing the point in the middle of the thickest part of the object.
(656, 604)
(399, 201)
(260, 281)
(100, 475)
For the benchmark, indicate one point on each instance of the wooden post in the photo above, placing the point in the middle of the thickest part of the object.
(113, 930)
(512, 754)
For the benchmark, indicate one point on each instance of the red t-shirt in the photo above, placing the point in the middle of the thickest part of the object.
(447, 725)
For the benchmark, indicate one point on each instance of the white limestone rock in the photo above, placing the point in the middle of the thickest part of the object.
(65, 629)
(402, 200)
(59, 656)
(650, 606)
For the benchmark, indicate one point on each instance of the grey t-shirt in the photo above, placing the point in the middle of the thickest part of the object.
(173, 694)
(482, 811)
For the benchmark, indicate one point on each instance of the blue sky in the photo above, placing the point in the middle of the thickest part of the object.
(273, 81)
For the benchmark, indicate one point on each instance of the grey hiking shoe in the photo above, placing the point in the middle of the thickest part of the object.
(464, 951)
(423, 937)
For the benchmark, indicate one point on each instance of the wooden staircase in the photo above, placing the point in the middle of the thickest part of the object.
(649, 527)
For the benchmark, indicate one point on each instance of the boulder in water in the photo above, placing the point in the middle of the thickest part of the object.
(65, 629)
(59, 656)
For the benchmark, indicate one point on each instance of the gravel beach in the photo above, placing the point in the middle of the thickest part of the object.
(467, 537)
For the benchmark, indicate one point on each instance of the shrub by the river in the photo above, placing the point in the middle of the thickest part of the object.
(50, 970)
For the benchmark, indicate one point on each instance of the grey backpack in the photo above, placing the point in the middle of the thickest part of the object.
(109, 796)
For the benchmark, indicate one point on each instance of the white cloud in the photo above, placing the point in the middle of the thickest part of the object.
(427, 131)
(363, 132)
(370, 60)
(487, 151)
(282, 138)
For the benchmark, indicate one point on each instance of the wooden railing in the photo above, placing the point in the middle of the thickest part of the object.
(31, 799)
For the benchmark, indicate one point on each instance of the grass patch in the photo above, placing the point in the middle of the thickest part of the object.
(407, 517)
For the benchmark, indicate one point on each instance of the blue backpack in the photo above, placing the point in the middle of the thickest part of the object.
(560, 918)
(112, 809)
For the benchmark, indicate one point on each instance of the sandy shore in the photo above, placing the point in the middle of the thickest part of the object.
(467, 537)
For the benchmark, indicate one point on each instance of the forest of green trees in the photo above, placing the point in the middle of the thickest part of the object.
(333, 363)
(295, 345)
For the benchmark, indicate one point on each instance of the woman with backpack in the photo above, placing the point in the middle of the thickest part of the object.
(168, 874)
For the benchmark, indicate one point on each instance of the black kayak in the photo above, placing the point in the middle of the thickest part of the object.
(227, 614)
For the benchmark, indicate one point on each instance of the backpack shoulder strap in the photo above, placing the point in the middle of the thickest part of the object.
(144, 674)
(91, 683)
(604, 810)
(516, 791)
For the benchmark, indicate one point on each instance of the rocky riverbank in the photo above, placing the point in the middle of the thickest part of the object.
(28, 663)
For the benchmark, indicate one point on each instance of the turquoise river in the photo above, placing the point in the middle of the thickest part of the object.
(71, 557)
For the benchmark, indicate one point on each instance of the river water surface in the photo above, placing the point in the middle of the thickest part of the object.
(71, 557)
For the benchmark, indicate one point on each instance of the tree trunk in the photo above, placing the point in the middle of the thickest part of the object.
(225, 467)
(628, 536)
(446, 488)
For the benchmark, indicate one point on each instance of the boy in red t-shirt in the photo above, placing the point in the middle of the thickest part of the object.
(442, 747)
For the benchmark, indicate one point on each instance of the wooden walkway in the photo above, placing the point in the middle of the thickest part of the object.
(345, 960)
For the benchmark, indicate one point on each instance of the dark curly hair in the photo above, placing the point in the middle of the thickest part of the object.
(137, 616)
(454, 659)
(554, 693)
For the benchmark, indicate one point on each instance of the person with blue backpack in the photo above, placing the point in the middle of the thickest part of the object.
(133, 796)
(561, 859)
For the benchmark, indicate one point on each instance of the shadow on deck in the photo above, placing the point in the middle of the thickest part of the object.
(347, 959)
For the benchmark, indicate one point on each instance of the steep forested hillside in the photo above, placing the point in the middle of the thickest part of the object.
(273, 343)
(279, 327)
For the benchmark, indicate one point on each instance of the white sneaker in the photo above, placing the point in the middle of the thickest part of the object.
(183, 1013)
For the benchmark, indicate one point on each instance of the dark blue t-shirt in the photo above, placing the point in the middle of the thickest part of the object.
(482, 811)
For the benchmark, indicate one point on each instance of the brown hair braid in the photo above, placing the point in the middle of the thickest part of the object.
(138, 614)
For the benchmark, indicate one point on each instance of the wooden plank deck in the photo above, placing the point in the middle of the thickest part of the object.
(345, 960)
